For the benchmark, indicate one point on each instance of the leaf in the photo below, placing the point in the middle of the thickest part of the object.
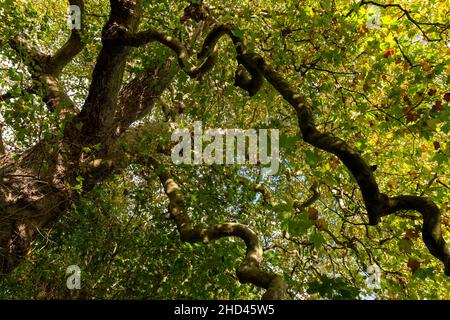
(389, 52)
(413, 264)
(86, 149)
(312, 158)
(313, 213)
(424, 273)
(317, 239)
(288, 143)
(237, 32)
(332, 288)
(300, 225)
(405, 245)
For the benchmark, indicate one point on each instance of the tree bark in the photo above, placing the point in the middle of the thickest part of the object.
(40, 185)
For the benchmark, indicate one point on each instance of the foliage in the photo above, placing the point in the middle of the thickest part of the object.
(383, 89)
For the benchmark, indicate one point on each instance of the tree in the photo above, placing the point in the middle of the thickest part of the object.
(86, 142)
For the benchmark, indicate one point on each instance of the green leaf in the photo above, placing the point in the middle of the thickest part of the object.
(317, 239)
(405, 245)
(312, 158)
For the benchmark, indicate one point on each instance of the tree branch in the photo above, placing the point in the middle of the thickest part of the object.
(70, 49)
(95, 122)
(408, 16)
(138, 96)
(45, 69)
(308, 202)
(249, 270)
(125, 37)
(377, 204)
(2, 146)
(46, 85)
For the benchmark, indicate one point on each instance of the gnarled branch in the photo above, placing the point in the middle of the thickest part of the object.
(249, 271)
(377, 204)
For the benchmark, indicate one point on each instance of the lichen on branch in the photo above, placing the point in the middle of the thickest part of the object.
(249, 271)
(377, 203)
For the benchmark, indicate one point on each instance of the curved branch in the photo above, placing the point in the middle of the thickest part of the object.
(377, 204)
(42, 63)
(70, 49)
(208, 54)
(46, 69)
(249, 271)
(308, 202)
(258, 187)
(46, 84)
(431, 229)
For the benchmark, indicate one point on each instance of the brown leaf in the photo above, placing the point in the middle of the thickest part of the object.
(438, 106)
(389, 52)
(321, 224)
(413, 264)
(363, 29)
(411, 233)
(412, 116)
(425, 65)
(446, 222)
(313, 213)
(436, 145)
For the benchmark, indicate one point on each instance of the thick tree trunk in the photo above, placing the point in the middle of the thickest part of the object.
(40, 186)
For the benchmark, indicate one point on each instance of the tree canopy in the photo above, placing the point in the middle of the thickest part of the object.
(359, 91)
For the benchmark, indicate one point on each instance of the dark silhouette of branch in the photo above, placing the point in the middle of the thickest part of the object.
(377, 204)
(407, 14)
(404, 55)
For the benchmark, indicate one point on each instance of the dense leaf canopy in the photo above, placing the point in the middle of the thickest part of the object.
(376, 74)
